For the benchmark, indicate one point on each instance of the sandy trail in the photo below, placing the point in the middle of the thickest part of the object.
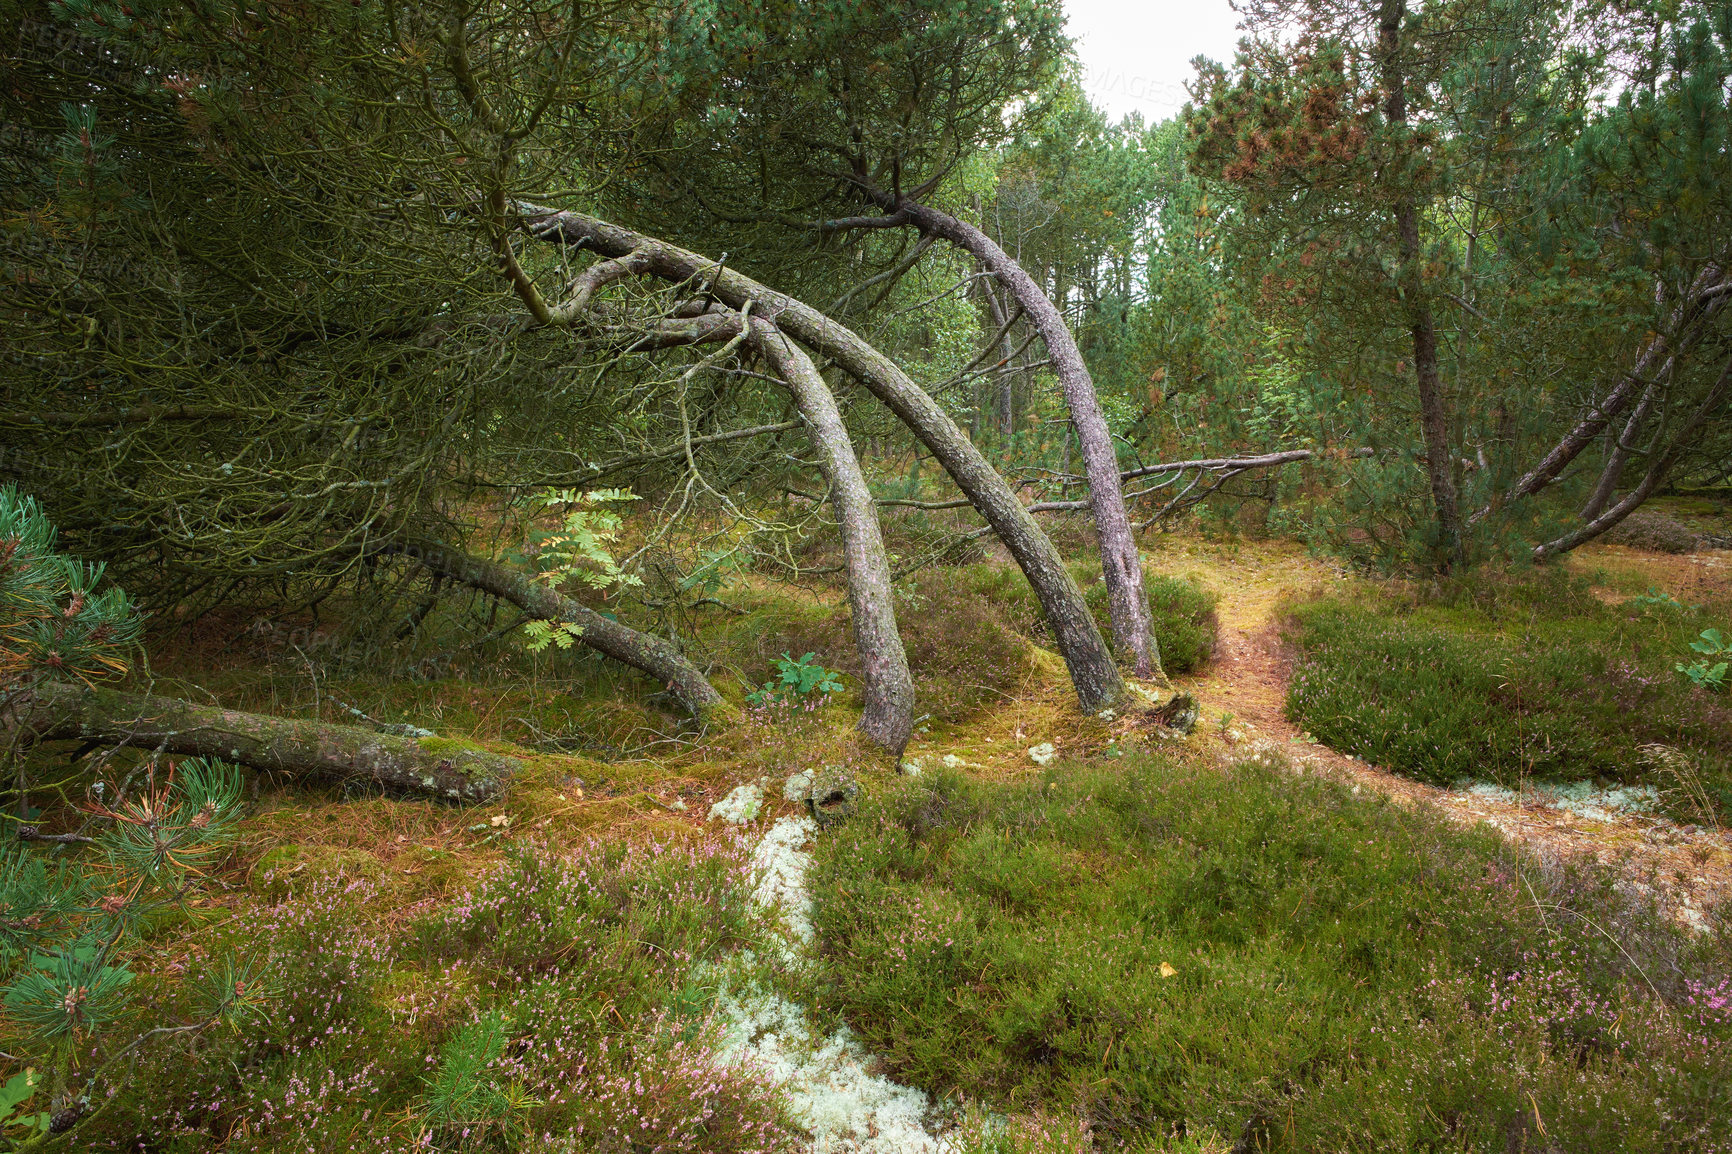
(1689, 868)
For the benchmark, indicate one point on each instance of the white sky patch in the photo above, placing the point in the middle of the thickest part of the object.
(1136, 54)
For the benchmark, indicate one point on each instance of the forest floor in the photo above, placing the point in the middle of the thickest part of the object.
(382, 870)
(1687, 867)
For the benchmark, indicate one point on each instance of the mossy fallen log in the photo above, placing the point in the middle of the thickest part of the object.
(436, 766)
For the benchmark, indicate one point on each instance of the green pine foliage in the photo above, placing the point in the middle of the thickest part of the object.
(68, 921)
(55, 620)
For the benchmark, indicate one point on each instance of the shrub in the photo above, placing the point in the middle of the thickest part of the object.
(1164, 950)
(965, 631)
(1182, 614)
(558, 1005)
(1563, 690)
(66, 930)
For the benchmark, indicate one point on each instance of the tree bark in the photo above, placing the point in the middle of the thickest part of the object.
(441, 767)
(1433, 408)
(1687, 324)
(1656, 475)
(1622, 447)
(1093, 673)
(1007, 370)
(1121, 567)
(888, 718)
(651, 655)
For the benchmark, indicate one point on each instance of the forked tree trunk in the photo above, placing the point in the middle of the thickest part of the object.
(651, 655)
(1622, 447)
(888, 718)
(1093, 673)
(438, 766)
(1121, 568)
(1662, 464)
(1685, 328)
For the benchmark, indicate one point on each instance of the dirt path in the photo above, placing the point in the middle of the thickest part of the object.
(1690, 868)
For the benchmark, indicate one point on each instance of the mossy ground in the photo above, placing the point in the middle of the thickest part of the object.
(408, 937)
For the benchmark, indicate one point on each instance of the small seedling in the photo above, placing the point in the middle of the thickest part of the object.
(1702, 673)
(801, 681)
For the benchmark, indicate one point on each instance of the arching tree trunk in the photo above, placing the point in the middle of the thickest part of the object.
(1663, 461)
(888, 718)
(652, 655)
(438, 766)
(1622, 447)
(1686, 327)
(1093, 673)
(1121, 568)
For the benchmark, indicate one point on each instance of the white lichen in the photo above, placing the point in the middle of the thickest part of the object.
(824, 1077)
(1580, 798)
(743, 804)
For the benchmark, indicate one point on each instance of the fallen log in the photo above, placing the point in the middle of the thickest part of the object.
(439, 767)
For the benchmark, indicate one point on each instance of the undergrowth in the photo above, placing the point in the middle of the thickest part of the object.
(1508, 679)
(559, 1005)
(1190, 958)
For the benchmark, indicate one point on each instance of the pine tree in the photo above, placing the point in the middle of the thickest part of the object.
(68, 914)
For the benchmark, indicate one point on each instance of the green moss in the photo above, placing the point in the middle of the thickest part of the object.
(291, 869)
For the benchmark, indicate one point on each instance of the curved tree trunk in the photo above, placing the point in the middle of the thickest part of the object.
(1622, 447)
(441, 767)
(1120, 566)
(1093, 673)
(1687, 325)
(888, 718)
(1663, 463)
(651, 655)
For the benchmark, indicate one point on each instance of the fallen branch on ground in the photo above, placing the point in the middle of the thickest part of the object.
(297, 748)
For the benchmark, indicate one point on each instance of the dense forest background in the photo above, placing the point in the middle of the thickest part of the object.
(268, 267)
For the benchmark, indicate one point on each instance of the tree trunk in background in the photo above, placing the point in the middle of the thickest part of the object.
(1120, 565)
(1007, 371)
(1620, 452)
(888, 718)
(1686, 327)
(1093, 673)
(437, 766)
(652, 655)
(1433, 408)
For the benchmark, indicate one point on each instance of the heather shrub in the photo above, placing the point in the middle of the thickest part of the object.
(552, 1007)
(965, 647)
(1170, 953)
(1533, 680)
(1182, 613)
